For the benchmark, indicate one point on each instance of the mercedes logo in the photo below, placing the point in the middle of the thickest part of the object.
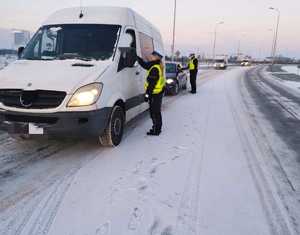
(29, 84)
(27, 98)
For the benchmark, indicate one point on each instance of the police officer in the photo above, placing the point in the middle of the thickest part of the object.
(193, 68)
(154, 87)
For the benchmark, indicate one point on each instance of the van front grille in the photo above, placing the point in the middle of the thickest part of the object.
(30, 119)
(38, 99)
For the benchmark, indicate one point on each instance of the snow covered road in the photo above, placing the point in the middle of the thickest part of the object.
(206, 174)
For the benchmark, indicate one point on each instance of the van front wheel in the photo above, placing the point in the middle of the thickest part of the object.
(113, 133)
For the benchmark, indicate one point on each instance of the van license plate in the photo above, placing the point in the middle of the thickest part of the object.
(35, 130)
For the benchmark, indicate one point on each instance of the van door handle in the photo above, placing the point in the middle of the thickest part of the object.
(137, 73)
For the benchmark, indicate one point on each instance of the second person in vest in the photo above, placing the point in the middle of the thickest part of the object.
(193, 68)
(154, 89)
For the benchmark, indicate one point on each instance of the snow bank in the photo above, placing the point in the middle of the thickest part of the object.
(292, 69)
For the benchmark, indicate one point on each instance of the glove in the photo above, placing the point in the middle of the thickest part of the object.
(146, 98)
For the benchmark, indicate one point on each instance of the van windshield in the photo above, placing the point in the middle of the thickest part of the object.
(73, 41)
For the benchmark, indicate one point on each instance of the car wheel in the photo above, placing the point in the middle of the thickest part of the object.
(113, 133)
(176, 89)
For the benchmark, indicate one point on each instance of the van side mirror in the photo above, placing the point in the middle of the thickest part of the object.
(20, 51)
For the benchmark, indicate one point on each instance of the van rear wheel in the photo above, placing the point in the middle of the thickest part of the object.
(113, 133)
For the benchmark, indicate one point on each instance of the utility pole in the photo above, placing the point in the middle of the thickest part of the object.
(276, 34)
(174, 30)
(215, 39)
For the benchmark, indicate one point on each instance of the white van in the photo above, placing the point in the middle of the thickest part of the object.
(78, 76)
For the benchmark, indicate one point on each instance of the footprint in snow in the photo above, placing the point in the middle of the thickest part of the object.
(142, 184)
(104, 229)
(155, 168)
(138, 167)
(175, 157)
(135, 219)
(167, 231)
(154, 227)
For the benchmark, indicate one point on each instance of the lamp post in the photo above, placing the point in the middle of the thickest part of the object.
(239, 44)
(174, 29)
(274, 49)
(215, 39)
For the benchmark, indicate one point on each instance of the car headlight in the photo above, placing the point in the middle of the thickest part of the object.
(170, 81)
(86, 95)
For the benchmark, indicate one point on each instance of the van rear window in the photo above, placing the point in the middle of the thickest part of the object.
(73, 41)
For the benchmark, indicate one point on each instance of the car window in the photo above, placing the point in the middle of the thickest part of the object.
(171, 68)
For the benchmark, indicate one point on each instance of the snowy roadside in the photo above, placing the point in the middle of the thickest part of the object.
(292, 69)
(288, 76)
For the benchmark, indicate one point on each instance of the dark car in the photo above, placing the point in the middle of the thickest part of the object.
(176, 78)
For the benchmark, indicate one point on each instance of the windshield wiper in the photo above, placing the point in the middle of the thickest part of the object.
(67, 56)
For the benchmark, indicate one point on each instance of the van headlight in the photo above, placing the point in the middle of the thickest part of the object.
(86, 95)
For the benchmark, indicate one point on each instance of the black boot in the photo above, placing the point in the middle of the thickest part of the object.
(154, 133)
(150, 132)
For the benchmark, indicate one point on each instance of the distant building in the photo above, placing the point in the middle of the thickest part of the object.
(21, 38)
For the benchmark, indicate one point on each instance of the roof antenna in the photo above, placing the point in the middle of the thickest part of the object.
(81, 10)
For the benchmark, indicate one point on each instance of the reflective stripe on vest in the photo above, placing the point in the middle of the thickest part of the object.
(160, 83)
(192, 65)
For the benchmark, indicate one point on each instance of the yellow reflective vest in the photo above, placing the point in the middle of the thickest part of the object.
(191, 64)
(160, 83)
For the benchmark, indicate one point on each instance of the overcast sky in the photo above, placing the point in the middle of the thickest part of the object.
(249, 21)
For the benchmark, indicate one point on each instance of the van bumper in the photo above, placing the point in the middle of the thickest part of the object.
(72, 124)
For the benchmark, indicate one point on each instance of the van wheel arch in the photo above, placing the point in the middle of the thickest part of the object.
(121, 103)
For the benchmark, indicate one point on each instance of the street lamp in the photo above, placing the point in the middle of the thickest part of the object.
(239, 44)
(272, 48)
(276, 34)
(215, 39)
(174, 30)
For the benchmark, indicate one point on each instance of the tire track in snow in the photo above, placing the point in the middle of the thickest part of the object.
(187, 218)
(275, 217)
(280, 171)
(35, 213)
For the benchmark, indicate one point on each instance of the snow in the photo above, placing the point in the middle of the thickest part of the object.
(6, 60)
(203, 175)
(292, 69)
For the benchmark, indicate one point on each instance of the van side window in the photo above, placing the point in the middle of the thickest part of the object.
(147, 46)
